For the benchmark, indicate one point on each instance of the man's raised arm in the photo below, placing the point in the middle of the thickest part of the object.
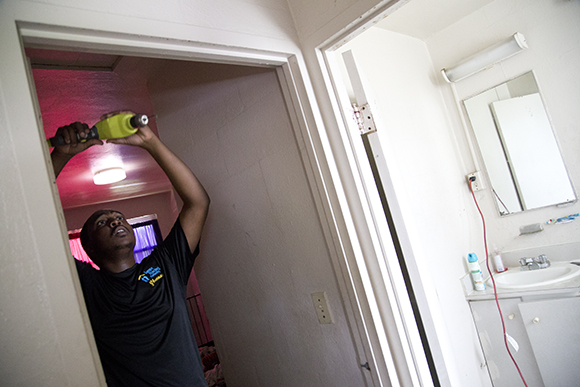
(195, 199)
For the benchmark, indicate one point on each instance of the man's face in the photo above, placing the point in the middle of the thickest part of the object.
(110, 232)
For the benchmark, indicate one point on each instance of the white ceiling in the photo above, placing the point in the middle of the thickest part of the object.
(424, 18)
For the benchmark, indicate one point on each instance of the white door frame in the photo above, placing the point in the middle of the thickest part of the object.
(387, 296)
(304, 118)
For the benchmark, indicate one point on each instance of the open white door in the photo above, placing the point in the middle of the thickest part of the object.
(412, 340)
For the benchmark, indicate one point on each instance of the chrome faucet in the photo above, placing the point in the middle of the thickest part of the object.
(535, 263)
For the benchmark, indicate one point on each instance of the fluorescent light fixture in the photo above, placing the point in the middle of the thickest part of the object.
(109, 175)
(485, 58)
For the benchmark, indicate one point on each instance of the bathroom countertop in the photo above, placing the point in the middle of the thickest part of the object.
(570, 288)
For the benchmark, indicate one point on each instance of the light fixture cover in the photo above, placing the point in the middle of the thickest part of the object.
(109, 175)
(485, 58)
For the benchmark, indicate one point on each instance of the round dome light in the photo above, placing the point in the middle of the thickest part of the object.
(109, 176)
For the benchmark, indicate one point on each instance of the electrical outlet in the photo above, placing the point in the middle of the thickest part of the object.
(321, 307)
(476, 184)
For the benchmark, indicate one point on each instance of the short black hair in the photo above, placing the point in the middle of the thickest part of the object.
(85, 234)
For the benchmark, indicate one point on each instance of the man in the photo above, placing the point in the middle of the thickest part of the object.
(138, 312)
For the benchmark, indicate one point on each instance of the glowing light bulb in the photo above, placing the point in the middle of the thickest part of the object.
(109, 176)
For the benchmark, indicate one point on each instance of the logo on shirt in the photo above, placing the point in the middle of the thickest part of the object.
(151, 275)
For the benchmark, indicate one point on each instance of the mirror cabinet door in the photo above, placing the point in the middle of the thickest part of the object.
(518, 146)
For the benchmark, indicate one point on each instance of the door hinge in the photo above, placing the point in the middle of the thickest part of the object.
(364, 119)
(366, 366)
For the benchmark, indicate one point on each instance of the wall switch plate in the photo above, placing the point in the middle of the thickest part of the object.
(321, 307)
(476, 185)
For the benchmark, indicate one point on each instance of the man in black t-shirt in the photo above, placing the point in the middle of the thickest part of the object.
(138, 311)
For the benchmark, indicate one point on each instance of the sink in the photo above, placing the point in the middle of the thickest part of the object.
(514, 278)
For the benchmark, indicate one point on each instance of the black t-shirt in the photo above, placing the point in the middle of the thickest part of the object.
(140, 318)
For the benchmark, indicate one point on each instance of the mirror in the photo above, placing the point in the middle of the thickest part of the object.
(518, 146)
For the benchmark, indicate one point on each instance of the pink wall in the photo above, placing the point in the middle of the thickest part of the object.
(68, 96)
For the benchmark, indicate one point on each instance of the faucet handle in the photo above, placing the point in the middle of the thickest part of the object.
(543, 261)
(526, 261)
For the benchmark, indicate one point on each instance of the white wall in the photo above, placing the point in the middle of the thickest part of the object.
(45, 335)
(553, 35)
(263, 250)
(67, 96)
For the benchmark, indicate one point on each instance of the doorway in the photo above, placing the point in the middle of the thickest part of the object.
(265, 250)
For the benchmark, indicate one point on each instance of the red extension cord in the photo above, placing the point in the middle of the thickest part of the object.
(505, 335)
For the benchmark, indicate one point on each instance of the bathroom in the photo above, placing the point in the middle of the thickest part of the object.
(416, 108)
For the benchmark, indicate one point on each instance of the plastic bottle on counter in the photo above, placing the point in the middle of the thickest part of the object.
(475, 271)
(498, 262)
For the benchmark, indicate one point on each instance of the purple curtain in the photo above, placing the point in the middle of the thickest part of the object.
(145, 241)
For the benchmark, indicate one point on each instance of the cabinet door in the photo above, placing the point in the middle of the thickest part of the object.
(553, 327)
(501, 368)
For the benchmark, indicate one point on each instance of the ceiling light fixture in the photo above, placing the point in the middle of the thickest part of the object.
(491, 55)
(109, 176)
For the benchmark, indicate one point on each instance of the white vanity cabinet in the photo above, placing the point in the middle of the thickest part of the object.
(547, 331)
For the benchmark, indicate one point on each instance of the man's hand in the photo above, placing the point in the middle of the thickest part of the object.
(73, 146)
(140, 138)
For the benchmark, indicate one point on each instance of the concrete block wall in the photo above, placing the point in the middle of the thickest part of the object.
(263, 251)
